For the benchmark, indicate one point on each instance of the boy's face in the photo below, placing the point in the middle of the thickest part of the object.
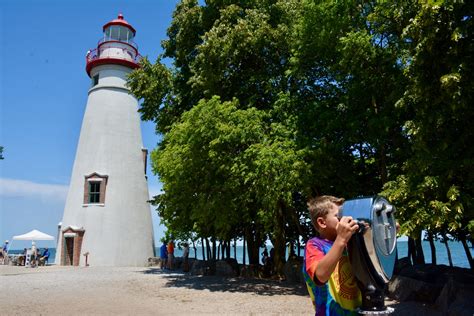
(329, 223)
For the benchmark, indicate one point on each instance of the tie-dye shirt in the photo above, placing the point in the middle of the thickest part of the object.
(340, 294)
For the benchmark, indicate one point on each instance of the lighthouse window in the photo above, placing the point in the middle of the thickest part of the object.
(94, 189)
(94, 192)
(95, 80)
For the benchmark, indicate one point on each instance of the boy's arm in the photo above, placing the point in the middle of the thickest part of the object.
(345, 229)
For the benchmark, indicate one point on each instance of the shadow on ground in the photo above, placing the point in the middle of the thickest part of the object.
(265, 287)
(413, 309)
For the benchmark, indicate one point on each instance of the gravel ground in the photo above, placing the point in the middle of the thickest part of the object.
(56, 290)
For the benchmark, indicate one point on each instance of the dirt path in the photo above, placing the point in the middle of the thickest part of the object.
(54, 290)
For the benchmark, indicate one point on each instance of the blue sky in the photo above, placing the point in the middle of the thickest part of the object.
(43, 94)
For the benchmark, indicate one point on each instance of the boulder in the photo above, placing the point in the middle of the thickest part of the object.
(197, 268)
(224, 269)
(293, 270)
(407, 289)
(401, 264)
(153, 261)
(200, 267)
(177, 262)
(450, 289)
(250, 271)
(234, 264)
(456, 298)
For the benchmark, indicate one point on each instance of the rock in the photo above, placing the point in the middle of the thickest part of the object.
(293, 270)
(200, 267)
(456, 298)
(250, 271)
(407, 289)
(401, 264)
(197, 268)
(450, 289)
(224, 269)
(177, 262)
(234, 264)
(153, 261)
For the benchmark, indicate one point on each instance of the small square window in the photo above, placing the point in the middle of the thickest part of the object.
(94, 192)
(95, 186)
(95, 80)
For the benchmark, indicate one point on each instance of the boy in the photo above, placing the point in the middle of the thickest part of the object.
(327, 270)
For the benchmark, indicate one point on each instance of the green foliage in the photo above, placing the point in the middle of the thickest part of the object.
(270, 101)
(152, 84)
(349, 81)
(219, 163)
(439, 98)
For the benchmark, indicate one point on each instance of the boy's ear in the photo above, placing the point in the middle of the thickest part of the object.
(321, 222)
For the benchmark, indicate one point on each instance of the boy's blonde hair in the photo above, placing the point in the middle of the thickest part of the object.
(321, 205)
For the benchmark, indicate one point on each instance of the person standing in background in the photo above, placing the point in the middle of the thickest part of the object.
(163, 256)
(5, 247)
(34, 255)
(170, 254)
(185, 257)
(4, 253)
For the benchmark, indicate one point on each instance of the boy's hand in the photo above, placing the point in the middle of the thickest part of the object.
(346, 228)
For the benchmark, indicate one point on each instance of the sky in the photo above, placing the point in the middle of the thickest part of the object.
(43, 94)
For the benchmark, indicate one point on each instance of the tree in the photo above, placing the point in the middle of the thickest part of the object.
(238, 51)
(439, 97)
(222, 167)
(270, 101)
(349, 81)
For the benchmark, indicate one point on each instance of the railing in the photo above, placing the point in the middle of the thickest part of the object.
(110, 39)
(128, 54)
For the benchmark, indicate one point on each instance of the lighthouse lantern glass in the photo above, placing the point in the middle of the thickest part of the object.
(118, 33)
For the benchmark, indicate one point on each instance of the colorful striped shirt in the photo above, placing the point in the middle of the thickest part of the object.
(340, 295)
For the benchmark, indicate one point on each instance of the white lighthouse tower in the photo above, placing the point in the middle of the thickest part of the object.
(107, 220)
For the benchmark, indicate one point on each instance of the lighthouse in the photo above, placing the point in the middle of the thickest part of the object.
(107, 219)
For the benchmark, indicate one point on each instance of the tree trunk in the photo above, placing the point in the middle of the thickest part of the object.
(467, 250)
(411, 250)
(219, 251)
(253, 244)
(227, 249)
(279, 239)
(299, 246)
(214, 248)
(235, 249)
(203, 247)
(195, 250)
(420, 257)
(244, 250)
(208, 249)
(432, 247)
(445, 241)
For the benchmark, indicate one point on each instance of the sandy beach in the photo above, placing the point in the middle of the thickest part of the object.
(56, 290)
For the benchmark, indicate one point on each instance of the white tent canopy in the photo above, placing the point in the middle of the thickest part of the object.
(34, 235)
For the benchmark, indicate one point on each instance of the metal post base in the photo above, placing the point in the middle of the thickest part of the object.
(387, 311)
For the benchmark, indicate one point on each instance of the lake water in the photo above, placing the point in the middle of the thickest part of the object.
(457, 253)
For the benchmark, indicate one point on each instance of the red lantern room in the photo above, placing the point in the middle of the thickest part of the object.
(115, 47)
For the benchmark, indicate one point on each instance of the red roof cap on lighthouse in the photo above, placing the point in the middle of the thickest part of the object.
(120, 21)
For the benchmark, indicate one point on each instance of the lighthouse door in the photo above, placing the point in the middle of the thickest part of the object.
(68, 251)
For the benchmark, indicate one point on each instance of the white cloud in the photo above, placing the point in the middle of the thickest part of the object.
(22, 188)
